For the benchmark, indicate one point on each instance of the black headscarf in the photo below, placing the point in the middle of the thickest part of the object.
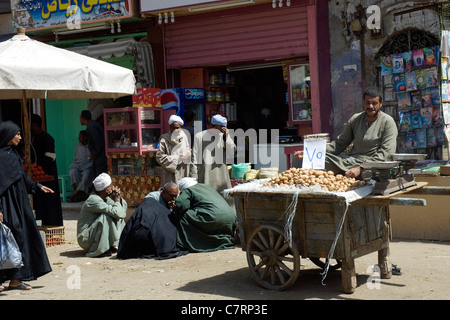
(8, 130)
(11, 166)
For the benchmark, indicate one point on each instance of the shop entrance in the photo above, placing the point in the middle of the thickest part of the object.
(261, 98)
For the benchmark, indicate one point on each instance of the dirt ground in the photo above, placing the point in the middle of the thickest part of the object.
(224, 275)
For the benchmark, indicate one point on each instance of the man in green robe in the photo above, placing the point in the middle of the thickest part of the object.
(205, 221)
(374, 137)
(101, 219)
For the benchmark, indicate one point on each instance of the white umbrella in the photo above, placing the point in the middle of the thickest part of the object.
(44, 71)
(32, 69)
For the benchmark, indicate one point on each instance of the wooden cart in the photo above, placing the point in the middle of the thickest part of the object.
(274, 261)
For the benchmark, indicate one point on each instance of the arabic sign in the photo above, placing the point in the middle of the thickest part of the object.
(42, 14)
(155, 5)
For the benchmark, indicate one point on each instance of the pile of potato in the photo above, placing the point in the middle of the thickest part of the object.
(307, 177)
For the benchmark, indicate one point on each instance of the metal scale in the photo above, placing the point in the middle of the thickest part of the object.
(391, 176)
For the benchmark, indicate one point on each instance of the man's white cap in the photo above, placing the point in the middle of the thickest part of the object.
(219, 120)
(186, 182)
(102, 181)
(174, 118)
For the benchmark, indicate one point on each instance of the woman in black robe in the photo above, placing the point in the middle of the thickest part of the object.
(46, 206)
(16, 212)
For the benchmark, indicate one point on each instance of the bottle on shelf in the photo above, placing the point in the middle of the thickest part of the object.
(210, 96)
(218, 95)
(226, 96)
(213, 79)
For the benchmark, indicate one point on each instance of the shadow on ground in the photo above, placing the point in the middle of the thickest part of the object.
(239, 284)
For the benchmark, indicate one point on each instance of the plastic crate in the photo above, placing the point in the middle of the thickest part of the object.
(53, 235)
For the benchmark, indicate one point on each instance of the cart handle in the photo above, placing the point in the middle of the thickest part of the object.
(433, 190)
(391, 202)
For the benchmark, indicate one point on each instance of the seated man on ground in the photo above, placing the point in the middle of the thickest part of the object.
(80, 170)
(150, 232)
(166, 195)
(205, 221)
(101, 219)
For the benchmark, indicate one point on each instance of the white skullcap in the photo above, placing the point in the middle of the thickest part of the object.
(186, 182)
(102, 181)
(219, 120)
(174, 118)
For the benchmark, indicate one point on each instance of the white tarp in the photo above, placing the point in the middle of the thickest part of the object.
(44, 71)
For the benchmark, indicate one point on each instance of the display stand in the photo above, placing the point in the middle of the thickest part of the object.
(131, 142)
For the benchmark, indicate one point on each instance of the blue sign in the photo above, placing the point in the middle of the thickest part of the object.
(42, 14)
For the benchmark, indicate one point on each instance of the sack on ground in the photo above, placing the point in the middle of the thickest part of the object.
(10, 255)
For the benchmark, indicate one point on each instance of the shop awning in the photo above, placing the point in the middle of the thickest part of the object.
(141, 51)
(107, 50)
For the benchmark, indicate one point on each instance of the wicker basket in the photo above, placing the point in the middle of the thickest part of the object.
(53, 235)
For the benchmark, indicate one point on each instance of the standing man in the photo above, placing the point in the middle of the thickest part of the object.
(189, 119)
(174, 152)
(47, 205)
(96, 142)
(80, 170)
(213, 149)
(374, 137)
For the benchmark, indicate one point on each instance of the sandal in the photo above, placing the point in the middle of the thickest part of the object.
(21, 286)
(396, 270)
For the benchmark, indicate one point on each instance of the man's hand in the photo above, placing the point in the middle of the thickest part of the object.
(298, 154)
(115, 194)
(1, 217)
(353, 172)
(172, 205)
(185, 158)
(224, 130)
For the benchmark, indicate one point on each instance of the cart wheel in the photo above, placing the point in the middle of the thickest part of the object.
(278, 265)
(321, 262)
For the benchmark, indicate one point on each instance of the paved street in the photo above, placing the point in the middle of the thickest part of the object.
(224, 275)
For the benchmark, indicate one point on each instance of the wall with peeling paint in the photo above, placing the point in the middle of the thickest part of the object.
(350, 71)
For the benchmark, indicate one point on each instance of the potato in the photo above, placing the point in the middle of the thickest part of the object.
(326, 180)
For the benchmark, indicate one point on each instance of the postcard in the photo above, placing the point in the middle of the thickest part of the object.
(410, 80)
(416, 99)
(386, 65)
(429, 56)
(404, 100)
(397, 63)
(399, 82)
(427, 116)
(418, 58)
(421, 137)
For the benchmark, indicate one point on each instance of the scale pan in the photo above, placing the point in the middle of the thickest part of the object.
(380, 165)
(408, 156)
